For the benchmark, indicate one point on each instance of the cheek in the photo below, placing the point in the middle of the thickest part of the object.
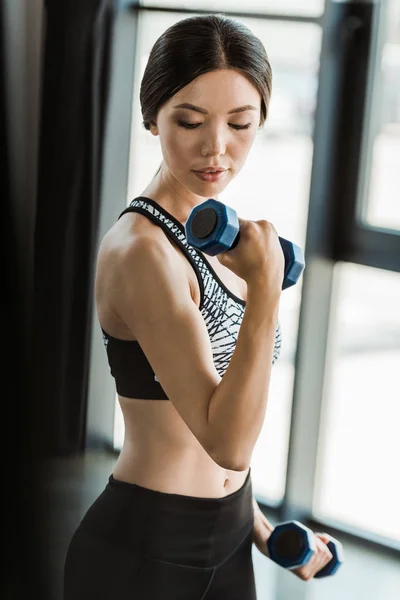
(242, 149)
(177, 147)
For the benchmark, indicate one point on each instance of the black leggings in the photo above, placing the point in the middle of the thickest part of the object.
(139, 544)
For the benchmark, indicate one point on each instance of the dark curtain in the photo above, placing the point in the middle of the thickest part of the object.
(76, 79)
(16, 447)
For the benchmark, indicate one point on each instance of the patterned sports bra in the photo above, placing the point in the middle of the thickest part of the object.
(221, 310)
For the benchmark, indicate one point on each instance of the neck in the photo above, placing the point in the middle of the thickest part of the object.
(172, 195)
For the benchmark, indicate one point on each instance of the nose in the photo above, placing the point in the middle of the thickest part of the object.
(214, 143)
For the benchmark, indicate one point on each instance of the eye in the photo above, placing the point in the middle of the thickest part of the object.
(195, 125)
(240, 126)
(188, 125)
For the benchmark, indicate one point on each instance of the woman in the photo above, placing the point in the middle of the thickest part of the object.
(190, 339)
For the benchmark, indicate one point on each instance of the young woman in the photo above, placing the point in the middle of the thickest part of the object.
(190, 339)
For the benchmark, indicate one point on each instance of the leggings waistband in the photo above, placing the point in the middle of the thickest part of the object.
(181, 529)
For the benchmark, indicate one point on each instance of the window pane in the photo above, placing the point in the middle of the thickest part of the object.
(119, 429)
(382, 199)
(358, 471)
(304, 8)
(273, 184)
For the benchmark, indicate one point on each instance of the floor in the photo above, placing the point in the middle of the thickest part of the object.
(73, 484)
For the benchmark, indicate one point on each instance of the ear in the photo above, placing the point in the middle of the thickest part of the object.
(153, 128)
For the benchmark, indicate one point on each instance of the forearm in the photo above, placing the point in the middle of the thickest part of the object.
(256, 507)
(237, 407)
(260, 520)
(262, 529)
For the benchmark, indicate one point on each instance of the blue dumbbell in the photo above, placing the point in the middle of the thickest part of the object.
(291, 545)
(213, 227)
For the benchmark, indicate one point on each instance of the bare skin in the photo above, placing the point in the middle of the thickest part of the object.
(159, 451)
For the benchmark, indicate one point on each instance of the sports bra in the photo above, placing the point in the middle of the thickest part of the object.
(220, 308)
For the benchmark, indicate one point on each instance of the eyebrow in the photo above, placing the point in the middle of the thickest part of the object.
(204, 112)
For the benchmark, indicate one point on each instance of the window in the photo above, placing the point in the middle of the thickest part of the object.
(381, 207)
(306, 7)
(357, 475)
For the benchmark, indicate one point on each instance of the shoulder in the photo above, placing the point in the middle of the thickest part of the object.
(134, 256)
(131, 237)
(133, 249)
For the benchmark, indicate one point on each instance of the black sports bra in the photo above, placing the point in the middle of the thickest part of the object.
(222, 312)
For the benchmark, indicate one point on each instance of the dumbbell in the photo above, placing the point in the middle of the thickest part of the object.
(213, 227)
(291, 545)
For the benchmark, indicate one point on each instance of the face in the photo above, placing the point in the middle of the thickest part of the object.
(213, 135)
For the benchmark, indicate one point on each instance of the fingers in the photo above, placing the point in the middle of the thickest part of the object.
(320, 558)
(325, 537)
(324, 554)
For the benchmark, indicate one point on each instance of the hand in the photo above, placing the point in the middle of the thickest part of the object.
(318, 560)
(262, 530)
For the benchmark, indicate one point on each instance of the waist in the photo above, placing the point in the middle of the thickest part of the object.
(173, 527)
(187, 470)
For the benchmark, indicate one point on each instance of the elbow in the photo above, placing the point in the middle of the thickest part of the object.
(227, 454)
(239, 467)
(231, 462)
(235, 466)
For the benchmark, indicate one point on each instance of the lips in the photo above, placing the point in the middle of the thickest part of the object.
(210, 177)
(211, 171)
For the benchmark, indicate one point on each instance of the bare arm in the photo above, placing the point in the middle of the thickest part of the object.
(237, 407)
(260, 520)
(154, 300)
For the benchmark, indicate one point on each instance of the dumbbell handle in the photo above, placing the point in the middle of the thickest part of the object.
(214, 227)
(291, 273)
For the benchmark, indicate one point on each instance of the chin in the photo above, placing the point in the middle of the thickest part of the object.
(213, 192)
(205, 189)
(210, 189)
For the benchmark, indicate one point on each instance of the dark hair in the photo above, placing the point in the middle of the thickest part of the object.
(198, 45)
